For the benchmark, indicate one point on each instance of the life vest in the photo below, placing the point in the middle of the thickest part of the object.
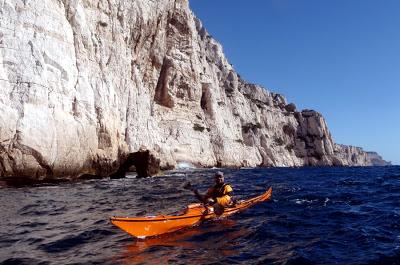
(218, 192)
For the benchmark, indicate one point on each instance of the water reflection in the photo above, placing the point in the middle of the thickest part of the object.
(210, 240)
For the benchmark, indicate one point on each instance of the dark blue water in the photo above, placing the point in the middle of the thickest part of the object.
(316, 216)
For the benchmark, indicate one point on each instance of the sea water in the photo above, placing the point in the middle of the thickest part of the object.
(315, 216)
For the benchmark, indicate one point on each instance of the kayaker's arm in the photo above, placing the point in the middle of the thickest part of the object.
(208, 197)
(201, 198)
(227, 194)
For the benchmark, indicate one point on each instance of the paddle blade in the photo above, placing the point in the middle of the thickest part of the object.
(188, 186)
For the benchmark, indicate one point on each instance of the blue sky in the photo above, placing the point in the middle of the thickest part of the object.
(339, 57)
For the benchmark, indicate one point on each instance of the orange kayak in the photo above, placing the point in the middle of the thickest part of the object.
(149, 226)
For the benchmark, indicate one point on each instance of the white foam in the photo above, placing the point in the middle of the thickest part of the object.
(184, 165)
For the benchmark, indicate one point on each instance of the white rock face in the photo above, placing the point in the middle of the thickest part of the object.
(84, 82)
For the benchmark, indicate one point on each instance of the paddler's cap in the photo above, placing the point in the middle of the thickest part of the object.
(219, 174)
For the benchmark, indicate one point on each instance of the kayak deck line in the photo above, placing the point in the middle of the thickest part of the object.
(177, 217)
(126, 219)
(149, 226)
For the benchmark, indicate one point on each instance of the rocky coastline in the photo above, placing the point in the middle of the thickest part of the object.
(89, 89)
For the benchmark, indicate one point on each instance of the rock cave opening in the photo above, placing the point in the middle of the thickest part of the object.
(144, 163)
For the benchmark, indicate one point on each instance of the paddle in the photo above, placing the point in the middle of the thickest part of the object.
(188, 186)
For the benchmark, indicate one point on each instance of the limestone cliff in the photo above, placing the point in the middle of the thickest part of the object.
(377, 160)
(84, 83)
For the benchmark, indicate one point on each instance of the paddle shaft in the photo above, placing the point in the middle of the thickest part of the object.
(199, 196)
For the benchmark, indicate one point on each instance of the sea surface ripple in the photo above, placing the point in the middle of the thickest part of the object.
(316, 216)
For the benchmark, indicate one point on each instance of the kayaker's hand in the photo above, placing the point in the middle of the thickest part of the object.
(210, 201)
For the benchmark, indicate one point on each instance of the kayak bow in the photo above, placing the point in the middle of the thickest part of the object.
(149, 226)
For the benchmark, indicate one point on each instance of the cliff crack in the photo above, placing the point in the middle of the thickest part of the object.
(27, 150)
(69, 16)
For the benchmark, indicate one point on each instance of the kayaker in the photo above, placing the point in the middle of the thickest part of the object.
(219, 196)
